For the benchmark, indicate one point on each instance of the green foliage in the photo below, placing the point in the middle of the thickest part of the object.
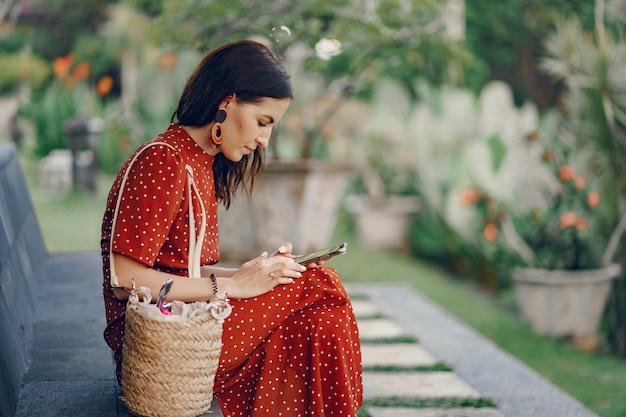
(506, 37)
(47, 112)
(498, 151)
(57, 25)
(17, 69)
(396, 38)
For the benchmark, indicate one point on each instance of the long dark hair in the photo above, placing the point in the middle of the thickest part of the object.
(251, 71)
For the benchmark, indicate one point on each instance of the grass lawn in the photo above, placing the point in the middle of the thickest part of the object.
(71, 222)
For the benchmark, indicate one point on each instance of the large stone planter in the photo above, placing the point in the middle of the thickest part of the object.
(382, 224)
(564, 303)
(295, 202)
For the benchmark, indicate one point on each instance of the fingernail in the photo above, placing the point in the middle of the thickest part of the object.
(299, 274)
(282, 249)
(302, 268)
(264, 253)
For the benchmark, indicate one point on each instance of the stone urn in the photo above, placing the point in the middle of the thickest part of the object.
(382, 223)
(295, 202)
(565, 303)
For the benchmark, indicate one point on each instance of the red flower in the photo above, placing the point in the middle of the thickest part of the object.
(581, 224)
(593, 199)
(469, 196)
(490, 232)
(566, 172)
(579, 182)
(568, 219)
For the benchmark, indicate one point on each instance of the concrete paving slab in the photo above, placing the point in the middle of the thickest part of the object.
(517, 390)
(365, 309)
(416, 385)
(432, 412)
(396, 354)
(68, 399)
(373, 329)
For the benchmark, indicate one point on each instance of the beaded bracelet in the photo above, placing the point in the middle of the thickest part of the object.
(214, 282)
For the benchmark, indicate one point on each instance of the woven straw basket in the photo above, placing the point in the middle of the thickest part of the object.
(169, 361)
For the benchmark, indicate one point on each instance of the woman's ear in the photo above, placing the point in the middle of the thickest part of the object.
(228, 100)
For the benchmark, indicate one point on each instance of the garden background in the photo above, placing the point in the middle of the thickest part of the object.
(506, 120)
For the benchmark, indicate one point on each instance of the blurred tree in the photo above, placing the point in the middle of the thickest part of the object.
(398, 38)
(506, 37)
(57, 25)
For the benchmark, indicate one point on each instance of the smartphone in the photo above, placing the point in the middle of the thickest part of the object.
(322, 255)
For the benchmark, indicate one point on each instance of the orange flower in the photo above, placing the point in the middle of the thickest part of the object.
(566, 172)
(104, 85)
(593, 199)
(82, 71)
(469, 196)
(490, 232)
(61, 66)
(581, 224)
(579, 182)
(167, 60)
(533, 136)
(548, 155)
(568, 219)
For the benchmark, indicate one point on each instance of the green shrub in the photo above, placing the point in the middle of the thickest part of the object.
(18, 68)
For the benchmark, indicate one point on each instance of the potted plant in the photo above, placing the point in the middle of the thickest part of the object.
(384, 197)
(561, 262)
(589, 65)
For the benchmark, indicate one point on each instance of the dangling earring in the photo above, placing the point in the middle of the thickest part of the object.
(217, 131)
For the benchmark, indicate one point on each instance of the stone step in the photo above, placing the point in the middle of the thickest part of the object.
(432, 412)
(402, 355)
(379, 329)
(416, 385)
(365, 309)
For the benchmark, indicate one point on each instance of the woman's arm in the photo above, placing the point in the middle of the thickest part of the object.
(183, 289)
(254, 278)
(219, 271)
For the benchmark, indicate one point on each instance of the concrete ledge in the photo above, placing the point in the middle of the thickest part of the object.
(516, 389)
(22, 270)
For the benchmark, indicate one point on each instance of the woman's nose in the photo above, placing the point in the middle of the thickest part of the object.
(262, 142)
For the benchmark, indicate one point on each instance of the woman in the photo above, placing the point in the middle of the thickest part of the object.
(291, 344)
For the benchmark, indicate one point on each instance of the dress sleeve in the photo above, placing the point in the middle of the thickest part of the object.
(151, 201)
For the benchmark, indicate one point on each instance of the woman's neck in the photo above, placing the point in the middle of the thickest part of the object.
(200, 135)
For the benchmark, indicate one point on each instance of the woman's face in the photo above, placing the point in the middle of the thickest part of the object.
(249, 125)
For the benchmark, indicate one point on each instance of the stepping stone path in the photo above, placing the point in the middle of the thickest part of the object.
(402, 379)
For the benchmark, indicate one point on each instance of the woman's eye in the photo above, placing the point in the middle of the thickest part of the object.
(262, 124)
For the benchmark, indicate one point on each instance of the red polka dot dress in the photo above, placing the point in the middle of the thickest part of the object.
(293, 351)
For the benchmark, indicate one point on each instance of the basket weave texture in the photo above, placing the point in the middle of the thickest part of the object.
(169, 364)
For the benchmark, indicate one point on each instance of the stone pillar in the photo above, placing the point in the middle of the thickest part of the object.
(84, 134)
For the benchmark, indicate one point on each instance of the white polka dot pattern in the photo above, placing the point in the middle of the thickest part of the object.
(294, 351)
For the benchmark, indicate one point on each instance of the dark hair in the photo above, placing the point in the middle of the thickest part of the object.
(251, 71)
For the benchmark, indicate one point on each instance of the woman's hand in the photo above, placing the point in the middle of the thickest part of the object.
(263, 273)
(286, 249)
